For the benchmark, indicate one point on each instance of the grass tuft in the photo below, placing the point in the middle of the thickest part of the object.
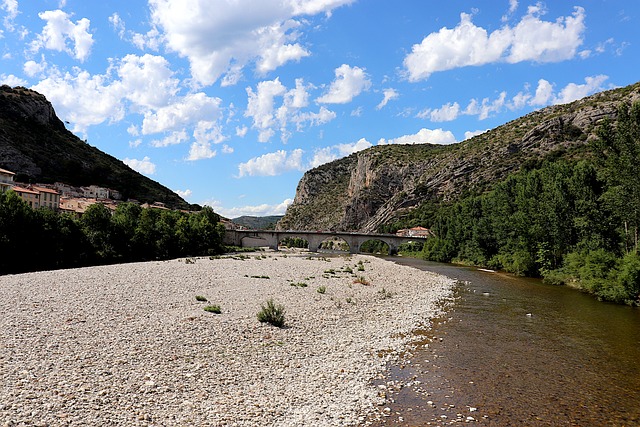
(272, 313)
(201, 298)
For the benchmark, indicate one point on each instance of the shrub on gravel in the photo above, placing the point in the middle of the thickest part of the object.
(213, 309)
(272, 313)
(362, 281)
(322, 289)
(201, 298)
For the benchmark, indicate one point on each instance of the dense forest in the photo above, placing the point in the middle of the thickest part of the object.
(569, 222)
(42, 239)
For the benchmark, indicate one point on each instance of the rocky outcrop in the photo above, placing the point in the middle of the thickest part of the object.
(372, 187)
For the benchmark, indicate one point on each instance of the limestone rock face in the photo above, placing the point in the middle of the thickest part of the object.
(375, 186)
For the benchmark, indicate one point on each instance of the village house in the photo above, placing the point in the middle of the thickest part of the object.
(38, 197)
(95, 192)
(32, 197)
(6, 180)
(415, 232)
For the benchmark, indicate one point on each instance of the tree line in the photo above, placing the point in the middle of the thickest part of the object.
(41, 239)
(569, 222)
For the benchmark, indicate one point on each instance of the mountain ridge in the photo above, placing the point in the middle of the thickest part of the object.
(372, 187)
(35, 144)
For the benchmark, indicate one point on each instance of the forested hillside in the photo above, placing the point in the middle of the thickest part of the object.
(570, 221)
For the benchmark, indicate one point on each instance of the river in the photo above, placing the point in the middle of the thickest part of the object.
(512, 351)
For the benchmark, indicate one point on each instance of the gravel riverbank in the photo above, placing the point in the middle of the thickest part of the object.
(130, 345)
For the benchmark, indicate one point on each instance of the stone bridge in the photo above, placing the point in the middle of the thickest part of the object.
(271, 238)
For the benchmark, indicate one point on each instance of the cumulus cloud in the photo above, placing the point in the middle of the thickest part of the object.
(531, 39)
(173, 138)
(424, 136)
(544, 95)
(82, 99)
(220, 38)
(191, 109)
(389, 95)
(470, 134)
(11, 80)
(60, 32)
(272, 164)
(184, 194)
(573, 91)
(259, 210)
(11, 9)
(144, 166)
(147, 81)
(349, 83)
(268, 95)
(329, 154)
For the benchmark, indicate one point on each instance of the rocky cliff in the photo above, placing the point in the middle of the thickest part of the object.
(374, 186)
(35, 144)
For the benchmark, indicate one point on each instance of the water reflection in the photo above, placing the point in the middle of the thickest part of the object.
(516, 352)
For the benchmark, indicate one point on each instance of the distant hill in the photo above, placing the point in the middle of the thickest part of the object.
(258, 222)
(35, 145)
(377, 186)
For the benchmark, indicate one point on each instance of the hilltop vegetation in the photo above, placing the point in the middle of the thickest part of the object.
(35, 145)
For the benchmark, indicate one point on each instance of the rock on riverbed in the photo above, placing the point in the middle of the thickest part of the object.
(130, 345)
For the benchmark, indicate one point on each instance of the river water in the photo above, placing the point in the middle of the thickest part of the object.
(512, 351)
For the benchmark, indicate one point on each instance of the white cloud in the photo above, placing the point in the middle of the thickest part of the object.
(241, 131)
(272, 164)
(259, 210)
(82, 99)
(349, 83)
(12, 80)
(33, 68)
(60, 30)
(446, 113)
(190, 109)
(389, 95)
(574, 91)
(221, 38)
(544, 95)
(118, 24)
(261, 107)
(424, 136)
(470, 134)
(544, 92)
(469, 45)
(226, 149)
(11, 9)
(144, 166)
(147, 80)
(184, 194)
(329, 154)
(544, 41)
(201, 150)
(173, 138)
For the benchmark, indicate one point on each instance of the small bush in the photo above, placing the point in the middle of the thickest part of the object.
(299, 285)
(272, 313)
(321, 289)
(201, 298)
(213, 309)
(385, 294)
(362, 280)
(348, 269)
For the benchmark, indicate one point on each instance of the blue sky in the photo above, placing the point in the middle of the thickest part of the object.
(229, 102)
